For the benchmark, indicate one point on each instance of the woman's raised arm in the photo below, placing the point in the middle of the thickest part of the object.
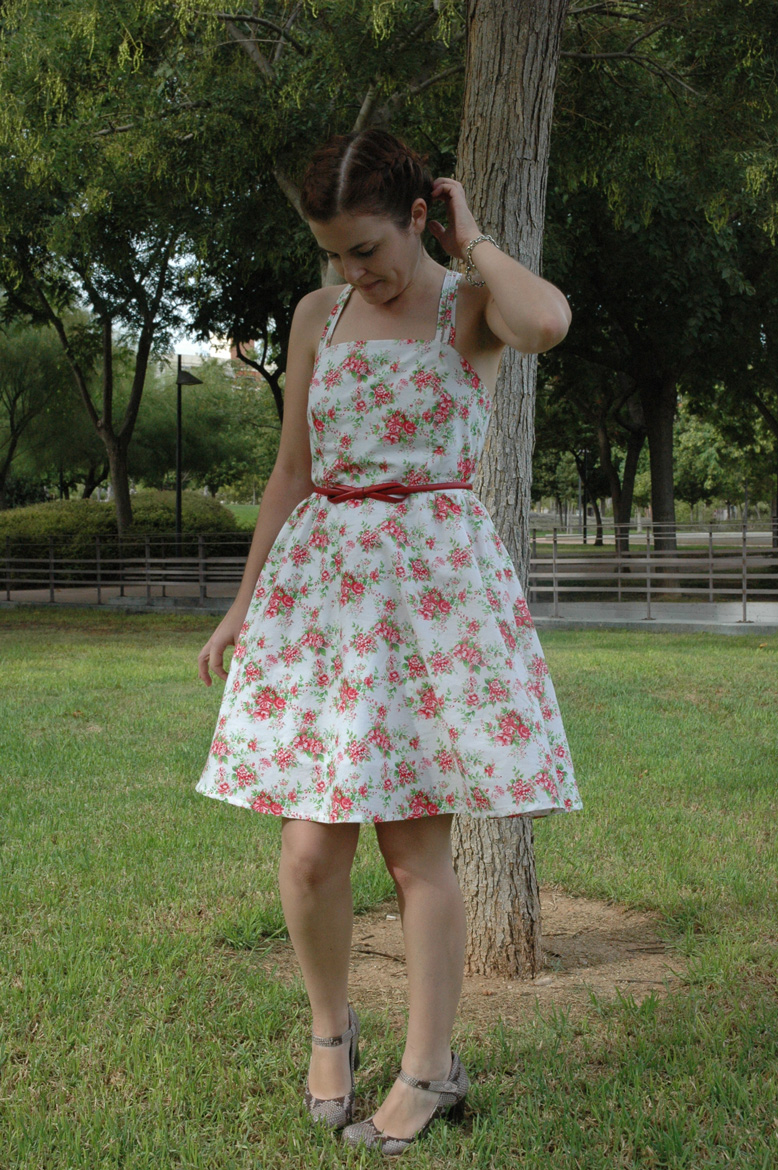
(521, 309)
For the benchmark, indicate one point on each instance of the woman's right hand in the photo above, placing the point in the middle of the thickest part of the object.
(212, 654)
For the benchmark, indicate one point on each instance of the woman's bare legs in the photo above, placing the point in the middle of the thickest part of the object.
(418, 856)
(315, 884)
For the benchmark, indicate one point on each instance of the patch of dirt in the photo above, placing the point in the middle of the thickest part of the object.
(588, 946)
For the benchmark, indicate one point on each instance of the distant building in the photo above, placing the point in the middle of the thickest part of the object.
(223, 351)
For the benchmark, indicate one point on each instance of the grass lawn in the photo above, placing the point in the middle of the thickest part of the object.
(137, 1030)
(245, 514)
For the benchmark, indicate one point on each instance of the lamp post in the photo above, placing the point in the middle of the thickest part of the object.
(183, 378)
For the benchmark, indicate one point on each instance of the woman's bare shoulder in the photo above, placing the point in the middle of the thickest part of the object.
(315, 307)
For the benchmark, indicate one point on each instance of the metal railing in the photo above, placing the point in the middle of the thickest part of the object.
(707, 566)
(628, 570)
(153, 561)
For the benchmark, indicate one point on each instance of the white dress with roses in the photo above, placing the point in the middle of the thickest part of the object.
(388, 666)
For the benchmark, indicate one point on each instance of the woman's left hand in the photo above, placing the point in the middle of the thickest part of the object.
(462, 228)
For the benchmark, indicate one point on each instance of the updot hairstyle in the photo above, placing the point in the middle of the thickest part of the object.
(369, 173)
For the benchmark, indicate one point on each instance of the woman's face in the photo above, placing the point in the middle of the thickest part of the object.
(372, 252)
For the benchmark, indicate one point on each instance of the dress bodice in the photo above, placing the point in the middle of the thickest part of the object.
(414, 411)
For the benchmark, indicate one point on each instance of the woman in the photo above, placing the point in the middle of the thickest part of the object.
(386, 668)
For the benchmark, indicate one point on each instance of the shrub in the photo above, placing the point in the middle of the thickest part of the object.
(70, 527)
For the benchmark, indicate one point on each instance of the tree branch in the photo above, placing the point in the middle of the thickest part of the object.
(365, 114)
(367, 109)
(271, 379)
(400, 96)
(181, 107)
(150, 311)
(288, 24)
(263, 22)
(414, 34)
(606, 9)
(249, 46)
(767, 414)
(648, 63)
(289, 188)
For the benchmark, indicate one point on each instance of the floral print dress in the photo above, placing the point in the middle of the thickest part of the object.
(388, 666)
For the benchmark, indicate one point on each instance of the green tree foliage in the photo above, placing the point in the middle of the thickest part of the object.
(100, 127)
(313, 70)
(654, 251)
(230, 432)
(31, 376)
(151, 155)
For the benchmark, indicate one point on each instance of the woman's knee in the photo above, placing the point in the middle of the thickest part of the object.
(414, 857)
(314, 855)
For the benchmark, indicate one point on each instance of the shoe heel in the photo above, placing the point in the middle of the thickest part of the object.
(457, 1111)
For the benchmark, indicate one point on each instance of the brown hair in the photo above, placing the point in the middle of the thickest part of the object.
(372, 173)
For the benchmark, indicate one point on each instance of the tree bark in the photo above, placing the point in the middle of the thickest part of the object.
(598, 537)
(95, 475)
(120, 481)
(510, 78)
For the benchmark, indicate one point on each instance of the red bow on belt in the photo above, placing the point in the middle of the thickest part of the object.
(391, 490)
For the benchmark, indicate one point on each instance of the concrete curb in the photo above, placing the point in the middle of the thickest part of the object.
(655, 626)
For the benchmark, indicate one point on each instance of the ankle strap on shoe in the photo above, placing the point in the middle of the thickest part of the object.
(332, 1041)
(433, 1086)
(336, 1041)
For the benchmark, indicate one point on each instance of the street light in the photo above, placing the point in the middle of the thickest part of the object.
(183, 378)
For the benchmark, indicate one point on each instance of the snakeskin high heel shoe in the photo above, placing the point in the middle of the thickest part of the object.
(451, 1103)
(335, 1112)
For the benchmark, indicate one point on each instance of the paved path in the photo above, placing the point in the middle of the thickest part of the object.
(674, 616)
(718, 617)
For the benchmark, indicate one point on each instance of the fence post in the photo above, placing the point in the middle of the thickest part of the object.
(120, 566)
(648, 617)
(710, 563)
(164, 566)
(148, 570)
(201, 564)
(8, 568)
(555, 581)
(745, 572)
(533, 557)
(97, 561)
(51, 568)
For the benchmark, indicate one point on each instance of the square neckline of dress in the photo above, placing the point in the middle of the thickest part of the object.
(437, 336)
(445, 341)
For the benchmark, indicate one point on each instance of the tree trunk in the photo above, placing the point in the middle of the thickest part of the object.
(94, 477)
(5, 469)
(120, 482)
(622, 492)
(658, 398)
(598, 522)
(634, 447)
(511, 70)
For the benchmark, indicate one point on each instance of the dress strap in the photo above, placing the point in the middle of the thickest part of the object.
(447, 310)
(334, 316)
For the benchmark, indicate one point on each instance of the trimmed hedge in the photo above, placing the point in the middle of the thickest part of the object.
(152, 511)
(72, 525)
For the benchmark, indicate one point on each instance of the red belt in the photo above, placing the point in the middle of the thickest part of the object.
(391, 490)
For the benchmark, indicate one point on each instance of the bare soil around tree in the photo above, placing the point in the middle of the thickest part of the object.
(589, 947)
